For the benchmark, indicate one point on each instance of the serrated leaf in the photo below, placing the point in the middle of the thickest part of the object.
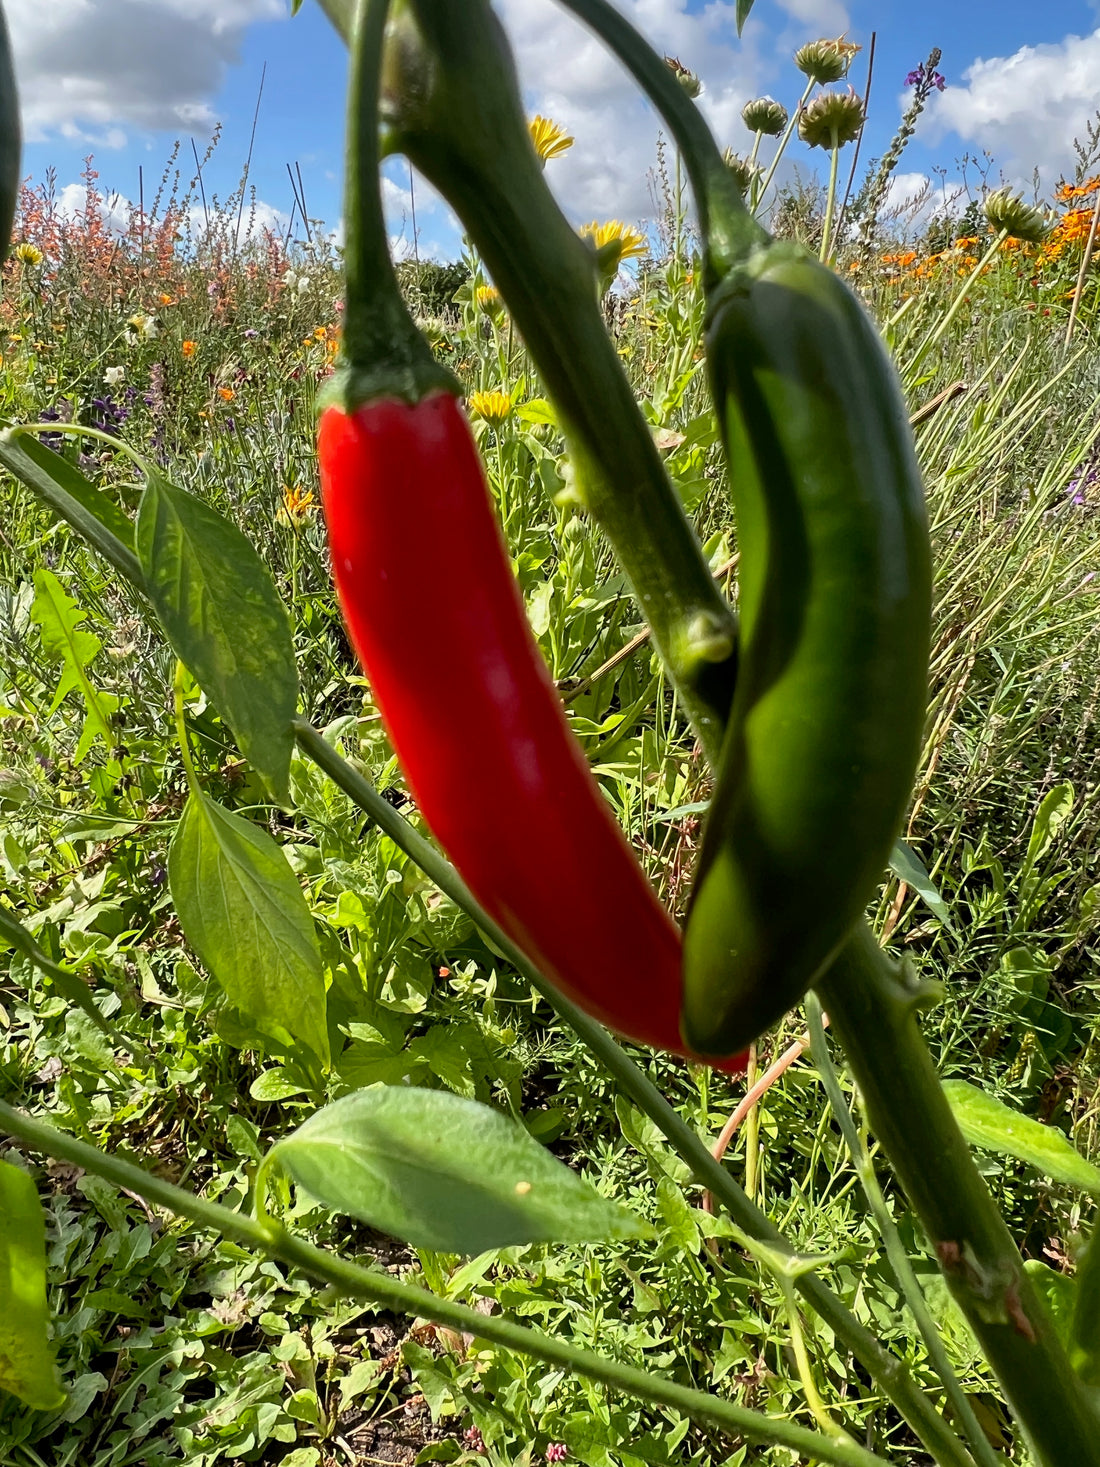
(242, 910)
(26, 1361)
(444, 1173)
(987, 1122)
(221, 612)
(908, 867)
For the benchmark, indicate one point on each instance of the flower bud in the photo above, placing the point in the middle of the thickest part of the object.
(766, 115)
(743, 171)
(687, 79)
(1007, 211)
(831, 119)
(825, 61)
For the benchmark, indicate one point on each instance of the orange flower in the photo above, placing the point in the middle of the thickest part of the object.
(188, 348)
(167, 300)
(226, 394)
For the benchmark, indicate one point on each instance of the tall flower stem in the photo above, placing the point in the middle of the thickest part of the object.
(956, 305)
(830, 203)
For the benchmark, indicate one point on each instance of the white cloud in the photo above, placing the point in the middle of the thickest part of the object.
(1027, 108)
(88, 69)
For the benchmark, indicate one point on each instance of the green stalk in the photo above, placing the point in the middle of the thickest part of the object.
(934, 335)
(984, 1454)
(362, 1283)
(830, 204)
(459, 117)
(788, 133)
(890, 1374)
(872, 1006)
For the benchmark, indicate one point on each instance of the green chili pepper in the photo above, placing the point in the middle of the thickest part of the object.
(824, 734)
(9, 140)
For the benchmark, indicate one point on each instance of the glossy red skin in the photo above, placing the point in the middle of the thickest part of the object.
(436, 618)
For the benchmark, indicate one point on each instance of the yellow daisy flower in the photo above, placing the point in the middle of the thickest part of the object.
(549, 139)
(490, 407)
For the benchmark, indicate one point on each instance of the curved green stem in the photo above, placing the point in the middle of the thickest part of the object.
(872, 1006)
(730, 232)
(895, 1251)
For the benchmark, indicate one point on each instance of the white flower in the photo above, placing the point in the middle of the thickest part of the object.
(113, 375)
(290, 280)
(303, 283)
(149, 328)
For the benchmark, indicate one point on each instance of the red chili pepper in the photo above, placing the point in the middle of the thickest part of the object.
(436, 617)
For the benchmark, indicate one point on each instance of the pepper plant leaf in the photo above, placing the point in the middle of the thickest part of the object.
(1085, 1341)
(242, 910)
(907, 866)
(26, 1361)
(223, 616)
(72, 496)
(443, 1172)
(987, 1122)
(743, 9)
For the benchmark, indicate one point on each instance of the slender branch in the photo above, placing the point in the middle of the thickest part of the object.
(363, 1283)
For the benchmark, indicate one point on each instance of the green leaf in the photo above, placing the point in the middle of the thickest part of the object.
(443, 1172)
(1055, 810)
(60, 482)
(1085, 1328)
(908, 867)
(222, 614)
(58, 619)
(242, 910)
(26, 1360)
(743, 8)
(989, 1123)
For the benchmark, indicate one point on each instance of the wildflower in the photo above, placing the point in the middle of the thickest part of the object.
(226, 394)
(114, 375)
(28, 253)
(491, 407)
(549, 140)
(687, 79)
(145, 326)
(302, 284)
(107, 414)
(926, 78)
(831, 119)
(764, 115)
(489, 301)
(251, 334)
(825, 61)
(615, 242)
(167, 300)
(1009, 214)
(297, 505)
(556, 1452)
(475, 1442)
(188, 348)
(290, 279)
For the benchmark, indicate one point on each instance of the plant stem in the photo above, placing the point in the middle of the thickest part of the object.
(830, 203)
(872, 1006)
(934, 335)
(363, 1283)
(888, 1372)
(895, 1251)
(788, 133)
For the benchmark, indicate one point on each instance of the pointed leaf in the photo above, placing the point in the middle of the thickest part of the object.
(26, 1360)
(222, 614)
(242, 910)
(445, 1173)
(989, 1123)
(743, 9)
(908, 867)
(58, 618)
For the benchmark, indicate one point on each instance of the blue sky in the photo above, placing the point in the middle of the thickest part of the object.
(123, 78)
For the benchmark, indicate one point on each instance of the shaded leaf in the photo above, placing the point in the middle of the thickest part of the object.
(907, 866)
(74, 497)
(242, 910)
(220, 610)
(26, 1360)
(443, 1172)
(989, 1123)
(743, 9)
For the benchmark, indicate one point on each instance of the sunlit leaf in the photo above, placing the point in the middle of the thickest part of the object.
(987, 1122)
(26, 1360)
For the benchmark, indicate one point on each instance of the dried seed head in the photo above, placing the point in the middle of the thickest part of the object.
(687, 79)
(831, 119)
(743, 171)
(766, 115)
(825, 61)
(1007, 211)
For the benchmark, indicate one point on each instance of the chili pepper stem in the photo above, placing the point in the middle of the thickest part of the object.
(872, 1006)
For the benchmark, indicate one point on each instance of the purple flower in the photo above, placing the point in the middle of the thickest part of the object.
(51, 440)
(913, 78)
(107, 414)
(251, 334)
(938, 81)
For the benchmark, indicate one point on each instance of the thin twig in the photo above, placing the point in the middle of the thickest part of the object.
(1085, 260)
